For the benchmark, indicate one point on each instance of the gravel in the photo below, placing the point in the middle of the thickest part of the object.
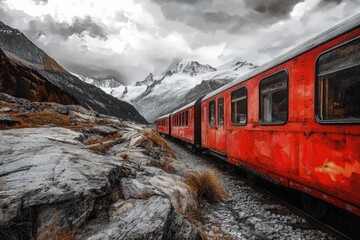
(246, 214)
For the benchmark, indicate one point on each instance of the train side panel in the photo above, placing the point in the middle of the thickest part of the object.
(183, 125)
(163, 125)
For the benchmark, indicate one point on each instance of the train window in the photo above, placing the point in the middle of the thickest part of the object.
(204, 113)
(239, 106)
(190, 113)
(212, 113)
(274, 99)
(338, 84)
(187, 118)
(221, 111)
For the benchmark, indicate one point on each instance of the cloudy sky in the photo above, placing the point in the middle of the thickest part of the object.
(130, 38)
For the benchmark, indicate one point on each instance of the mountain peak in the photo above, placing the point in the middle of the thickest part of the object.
(191, 68)
(147, 81)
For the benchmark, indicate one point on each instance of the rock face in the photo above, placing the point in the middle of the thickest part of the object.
(48, 173)
(67, 172)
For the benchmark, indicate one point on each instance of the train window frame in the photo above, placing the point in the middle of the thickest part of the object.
(210, 120)
(187, 118)
(318, 119)
(223, 111)
(231, 110)
(277, 123)
(182, 119)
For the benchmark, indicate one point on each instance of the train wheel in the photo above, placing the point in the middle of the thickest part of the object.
(313, 206)
(251, 177)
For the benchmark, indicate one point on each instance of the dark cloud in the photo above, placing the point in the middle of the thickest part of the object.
(276, 8)
(79, 26)
(95, 72)
(231, 16)
(218, 17)
(183, 1)
(41, 2)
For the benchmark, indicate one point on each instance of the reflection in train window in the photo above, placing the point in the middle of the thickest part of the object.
(239, 106)
(212, 113)
(221, 111)
(274, 99)
(338, 84)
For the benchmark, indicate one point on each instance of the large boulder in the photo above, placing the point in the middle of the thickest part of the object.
(52, 185)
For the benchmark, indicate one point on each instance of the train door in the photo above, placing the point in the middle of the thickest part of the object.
(212, 125)
(203, 126)
(220, 127)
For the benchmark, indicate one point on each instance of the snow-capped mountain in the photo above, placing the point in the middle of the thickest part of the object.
(192, 68)
(148, 80)
(185, 82)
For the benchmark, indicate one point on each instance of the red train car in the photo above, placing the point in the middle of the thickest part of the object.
(186, 123)
(163, 124)
(296, 119)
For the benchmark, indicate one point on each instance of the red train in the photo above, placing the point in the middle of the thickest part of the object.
(294, 120)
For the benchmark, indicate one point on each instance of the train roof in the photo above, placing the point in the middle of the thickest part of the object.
(164, 116)
(346, 26)
(185, 107)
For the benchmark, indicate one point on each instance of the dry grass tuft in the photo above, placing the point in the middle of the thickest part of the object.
(112, 137)
(158, 140)
(125, 157)
(206, 184)
(166, 166)
(100, 148)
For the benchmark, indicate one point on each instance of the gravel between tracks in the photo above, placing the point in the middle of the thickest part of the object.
(246, 214)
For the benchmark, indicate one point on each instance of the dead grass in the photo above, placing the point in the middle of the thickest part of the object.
(166, 165)
(125, 157)
(57, 235)
(112, 137)
(38, 119)
(206, 184)
(100, 148)
(158, 140)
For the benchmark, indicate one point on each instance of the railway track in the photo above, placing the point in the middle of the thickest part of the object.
(282, 196)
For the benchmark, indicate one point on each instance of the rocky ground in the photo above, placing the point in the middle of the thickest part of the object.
(70, 173)
(246, 214)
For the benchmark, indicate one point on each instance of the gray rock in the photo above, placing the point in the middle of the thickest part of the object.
(6, 120)
(101, 130)
(5, 109)
(166, 185)
(7, 98)
(49, 180)
(82, 110)
(153, 218)
(59, 108)
(47, 166)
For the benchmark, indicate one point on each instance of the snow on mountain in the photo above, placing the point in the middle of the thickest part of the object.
(186, 81)
(148, 80)
(192, 68)
(107, 85)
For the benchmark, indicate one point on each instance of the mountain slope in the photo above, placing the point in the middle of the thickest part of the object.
(23, 82)
(16, 46)
(179, 85)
